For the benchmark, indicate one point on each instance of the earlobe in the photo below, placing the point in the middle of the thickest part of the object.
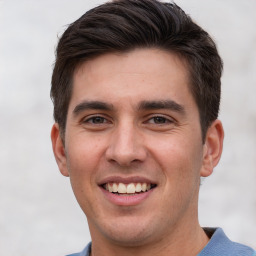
(212, 148)
(59, 150)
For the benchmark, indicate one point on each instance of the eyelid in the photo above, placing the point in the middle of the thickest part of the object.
(169, 119)
(86, 119)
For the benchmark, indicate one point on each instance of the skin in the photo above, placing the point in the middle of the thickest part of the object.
(128, 140)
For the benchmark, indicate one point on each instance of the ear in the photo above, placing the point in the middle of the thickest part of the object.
(59, 150)
(212, 148)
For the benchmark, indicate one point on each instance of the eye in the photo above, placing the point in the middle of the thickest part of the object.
(96, 120)
(159, 120)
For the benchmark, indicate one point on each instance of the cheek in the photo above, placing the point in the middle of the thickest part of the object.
(82, 162)
(179, 157)
(83, 154)
(83, 157)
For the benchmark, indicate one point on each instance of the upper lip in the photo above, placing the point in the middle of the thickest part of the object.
(126, 180)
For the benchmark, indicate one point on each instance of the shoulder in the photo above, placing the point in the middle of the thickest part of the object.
(220, 244)
(86, 251)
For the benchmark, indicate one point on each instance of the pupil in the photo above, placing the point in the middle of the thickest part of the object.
(159, 120)
(98, 120)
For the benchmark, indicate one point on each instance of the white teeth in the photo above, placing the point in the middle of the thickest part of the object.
(144, 187)
(115, 188)
(138, 187)
(130, 188)
(121, 188)
(110, 189)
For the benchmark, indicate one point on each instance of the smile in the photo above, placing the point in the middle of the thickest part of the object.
(128, 189)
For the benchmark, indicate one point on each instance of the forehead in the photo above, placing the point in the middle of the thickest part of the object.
(148, 73)
(138, 59)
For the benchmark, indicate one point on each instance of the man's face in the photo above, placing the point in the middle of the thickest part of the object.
(132, 125)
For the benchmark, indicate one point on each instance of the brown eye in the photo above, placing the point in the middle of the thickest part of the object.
(159, 120)
(96, 120)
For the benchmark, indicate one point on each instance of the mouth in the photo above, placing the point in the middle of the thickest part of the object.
(130, 189)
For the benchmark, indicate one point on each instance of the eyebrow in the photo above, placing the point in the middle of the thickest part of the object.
(86, 105)
(144, 105)
(162, 104)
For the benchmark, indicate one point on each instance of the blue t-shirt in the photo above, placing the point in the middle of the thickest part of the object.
(219, 245)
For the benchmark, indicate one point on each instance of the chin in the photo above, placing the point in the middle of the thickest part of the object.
(128, 232)
(131, 239)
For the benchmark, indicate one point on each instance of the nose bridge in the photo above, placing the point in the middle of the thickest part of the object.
(126, 144)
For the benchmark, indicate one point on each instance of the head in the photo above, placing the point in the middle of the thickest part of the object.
(136, 88)
(121, 26)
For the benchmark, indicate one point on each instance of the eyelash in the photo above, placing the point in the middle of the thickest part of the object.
(89, 120)
(163, 118)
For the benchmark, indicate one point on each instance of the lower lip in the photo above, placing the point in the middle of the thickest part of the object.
(127, 200)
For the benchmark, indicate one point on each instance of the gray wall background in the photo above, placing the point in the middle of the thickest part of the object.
(38, 212)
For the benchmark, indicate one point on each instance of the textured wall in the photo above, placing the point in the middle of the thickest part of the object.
(38, 212)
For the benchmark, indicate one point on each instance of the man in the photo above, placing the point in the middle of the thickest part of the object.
(136, 92)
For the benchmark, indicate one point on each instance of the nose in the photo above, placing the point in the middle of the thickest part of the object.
(126, 146)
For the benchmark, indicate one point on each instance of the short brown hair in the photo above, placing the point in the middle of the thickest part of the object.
(123, 25)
